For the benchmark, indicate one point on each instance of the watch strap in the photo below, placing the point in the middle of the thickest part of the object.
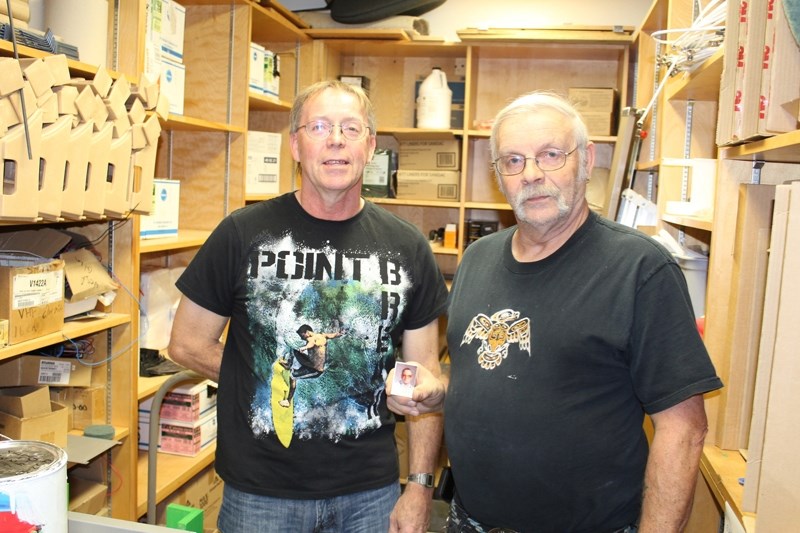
(424, 479)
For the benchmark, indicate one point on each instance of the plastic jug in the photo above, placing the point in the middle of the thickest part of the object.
(434, 101)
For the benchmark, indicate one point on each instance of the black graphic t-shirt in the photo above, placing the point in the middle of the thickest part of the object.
(553, 365)
(317, 309)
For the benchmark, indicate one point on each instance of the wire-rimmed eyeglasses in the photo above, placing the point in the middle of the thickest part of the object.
(547, 160)
(352, 130)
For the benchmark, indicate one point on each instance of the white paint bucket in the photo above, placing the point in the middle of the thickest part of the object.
(33, 487)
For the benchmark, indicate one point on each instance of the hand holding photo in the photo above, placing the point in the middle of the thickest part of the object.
(405, 378)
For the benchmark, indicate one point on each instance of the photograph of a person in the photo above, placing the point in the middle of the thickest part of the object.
(405, 378)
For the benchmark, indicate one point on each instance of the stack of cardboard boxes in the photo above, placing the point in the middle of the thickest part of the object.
(188, 419)
(597, 106)
(429, 169)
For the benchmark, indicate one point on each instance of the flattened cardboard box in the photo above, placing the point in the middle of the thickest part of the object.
(32, 299)
(42, 370)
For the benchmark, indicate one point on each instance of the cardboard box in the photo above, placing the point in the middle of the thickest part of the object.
(31, 298)
(163, 218)
(358, 81)
(48, 427)
(203, 491)
(42, 370)
(598, 124)
(441, 154)
(263, 162)
(87, 406)
(3, 332)
(25, 402)
(186, 403)
(178, 437)
(86, 496)
(427, 184)
(593, 99)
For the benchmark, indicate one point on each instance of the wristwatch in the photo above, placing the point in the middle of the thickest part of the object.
(426, 480)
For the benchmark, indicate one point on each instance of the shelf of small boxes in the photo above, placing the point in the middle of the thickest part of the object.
(188, 419)
(90, 137)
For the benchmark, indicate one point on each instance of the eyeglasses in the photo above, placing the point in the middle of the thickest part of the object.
(546, 160)
(352, 130)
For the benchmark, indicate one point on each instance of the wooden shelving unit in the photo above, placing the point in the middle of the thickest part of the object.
(746, 176)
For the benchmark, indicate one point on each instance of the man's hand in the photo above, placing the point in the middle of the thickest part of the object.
(412, 512)
(428, 395)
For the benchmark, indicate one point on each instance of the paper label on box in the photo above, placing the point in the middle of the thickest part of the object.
(54, 372)
(376, 172)
(39, 288)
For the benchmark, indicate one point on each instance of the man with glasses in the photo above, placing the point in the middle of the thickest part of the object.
(317, 455)
(563, 331)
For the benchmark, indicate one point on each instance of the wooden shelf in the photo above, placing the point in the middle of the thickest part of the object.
(262, 102)
(184, 123)
(72, 330)
(722, 470)
(420, 203)
(249, 198)
(495, 206)
(187, 238)
(583, 35)
(700, 84)
(147, 386)
(76, 68)
(784, 148)
(416, 134)
(271, 25)
(172, 472)
(689, 222)
(437, 248)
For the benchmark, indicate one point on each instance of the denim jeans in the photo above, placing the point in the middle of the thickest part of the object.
(361, 512)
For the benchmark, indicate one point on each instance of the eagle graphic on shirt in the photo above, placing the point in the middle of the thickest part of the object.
(496, 333)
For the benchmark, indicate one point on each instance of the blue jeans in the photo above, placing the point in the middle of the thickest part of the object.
(362, 512)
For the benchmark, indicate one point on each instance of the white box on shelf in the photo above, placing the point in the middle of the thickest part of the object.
(256, 74)
(186, 403)
(178, 437)
(163, 220)
(173, 22)
(263, 162)
(173, 82)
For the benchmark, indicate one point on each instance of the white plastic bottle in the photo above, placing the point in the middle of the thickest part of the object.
(434, 101)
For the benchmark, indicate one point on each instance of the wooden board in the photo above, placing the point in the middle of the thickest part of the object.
(766, 352)
(749, 279)
(778, 498)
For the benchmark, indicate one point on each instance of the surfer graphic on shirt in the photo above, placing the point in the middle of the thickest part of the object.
(311, 357)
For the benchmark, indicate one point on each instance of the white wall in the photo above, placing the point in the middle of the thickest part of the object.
(459, 14)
